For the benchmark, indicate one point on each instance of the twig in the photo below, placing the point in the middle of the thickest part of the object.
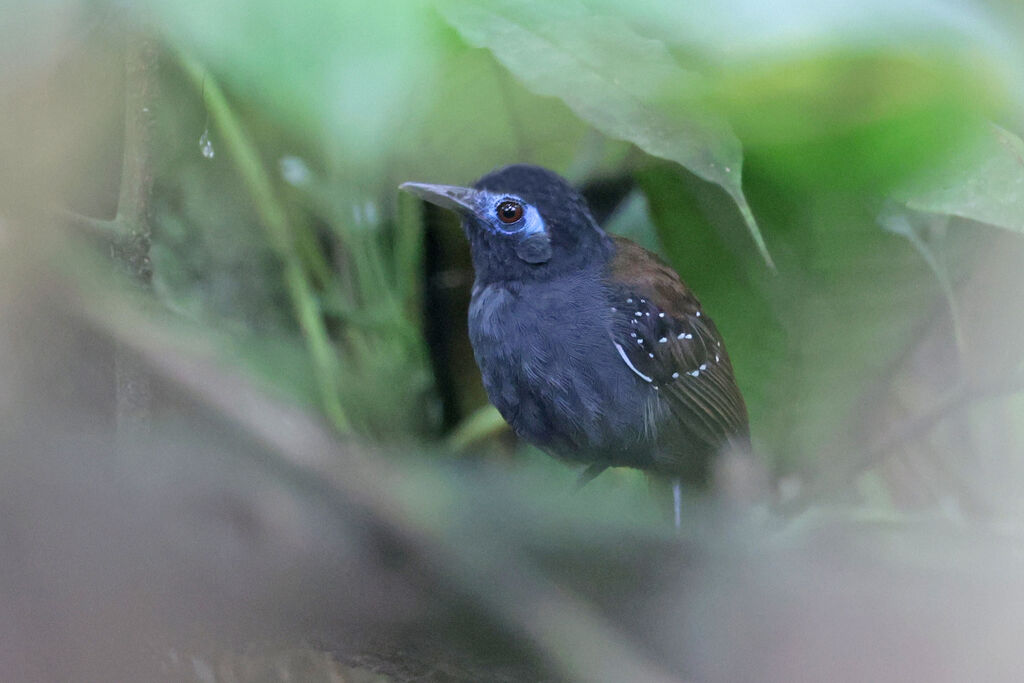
(959, 398)
(87, 225)
(275, 221)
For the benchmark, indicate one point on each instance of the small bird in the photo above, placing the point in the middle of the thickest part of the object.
(590, 346)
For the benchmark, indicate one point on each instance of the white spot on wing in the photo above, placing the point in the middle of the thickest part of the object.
(629, 363)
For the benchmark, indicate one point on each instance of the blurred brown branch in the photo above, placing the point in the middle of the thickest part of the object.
(956, 401)
(960, 399)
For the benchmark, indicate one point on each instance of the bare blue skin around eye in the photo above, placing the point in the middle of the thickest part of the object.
(530, 223)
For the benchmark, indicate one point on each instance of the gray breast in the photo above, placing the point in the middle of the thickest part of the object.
(551, 369)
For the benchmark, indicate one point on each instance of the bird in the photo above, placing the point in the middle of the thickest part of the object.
(591, 347)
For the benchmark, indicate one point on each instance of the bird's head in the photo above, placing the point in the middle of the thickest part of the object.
(523, 222)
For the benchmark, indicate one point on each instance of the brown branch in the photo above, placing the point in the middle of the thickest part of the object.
(959, 399)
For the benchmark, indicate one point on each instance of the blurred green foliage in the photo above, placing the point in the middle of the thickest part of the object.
(742, 131)
(841, 182)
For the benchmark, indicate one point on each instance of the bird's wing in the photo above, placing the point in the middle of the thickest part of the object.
(662, 334)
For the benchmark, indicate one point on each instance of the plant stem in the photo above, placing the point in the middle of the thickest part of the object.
(275, 221)
(130, 246)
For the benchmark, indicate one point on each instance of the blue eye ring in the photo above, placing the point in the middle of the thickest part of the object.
(509, 211)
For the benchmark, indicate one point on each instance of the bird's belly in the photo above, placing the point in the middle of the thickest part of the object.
(560, 384)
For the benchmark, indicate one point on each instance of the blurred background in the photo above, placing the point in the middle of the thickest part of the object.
(242, 435)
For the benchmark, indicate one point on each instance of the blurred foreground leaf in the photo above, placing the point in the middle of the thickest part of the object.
(865, 120)
(339, 75)
(842, 94)
(483, 423)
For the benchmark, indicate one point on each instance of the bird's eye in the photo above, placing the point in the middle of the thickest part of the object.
(510, 211)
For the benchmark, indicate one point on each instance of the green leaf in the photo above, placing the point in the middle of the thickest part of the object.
(988, 187)
(627, 86)
(481, 424)
(928, 240)
(472, 115)
(632, 220)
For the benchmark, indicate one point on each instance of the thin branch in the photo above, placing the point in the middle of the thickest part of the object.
(87, 225)
(957, 400)
(275, 220)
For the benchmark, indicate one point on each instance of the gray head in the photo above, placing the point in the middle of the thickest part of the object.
(523, 222)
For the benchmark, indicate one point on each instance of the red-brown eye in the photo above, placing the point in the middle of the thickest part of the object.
(510, 211)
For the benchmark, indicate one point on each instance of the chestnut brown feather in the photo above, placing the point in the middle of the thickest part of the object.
(671, 344)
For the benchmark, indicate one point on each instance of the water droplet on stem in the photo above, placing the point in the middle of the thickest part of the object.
(206, 145)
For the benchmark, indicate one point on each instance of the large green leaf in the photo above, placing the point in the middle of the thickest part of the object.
(473, 115)
(627, 86)
(987, 187)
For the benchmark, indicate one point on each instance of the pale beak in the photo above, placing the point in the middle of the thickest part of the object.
(460, 199)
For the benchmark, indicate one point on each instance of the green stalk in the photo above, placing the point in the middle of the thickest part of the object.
(408, 254)
(279, 233)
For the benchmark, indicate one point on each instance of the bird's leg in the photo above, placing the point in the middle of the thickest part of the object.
(677, 501)
(587, 475)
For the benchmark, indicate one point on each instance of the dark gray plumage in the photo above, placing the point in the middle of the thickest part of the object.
(590, 347)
